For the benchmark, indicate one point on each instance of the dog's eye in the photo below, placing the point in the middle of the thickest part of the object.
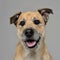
(22, 23)
(36, 22)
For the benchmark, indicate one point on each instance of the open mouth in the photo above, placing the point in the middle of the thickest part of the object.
(31, 43)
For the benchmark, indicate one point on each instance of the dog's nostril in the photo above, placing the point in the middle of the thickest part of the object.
(29, 32)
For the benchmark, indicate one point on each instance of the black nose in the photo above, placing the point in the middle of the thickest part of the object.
(29, 33)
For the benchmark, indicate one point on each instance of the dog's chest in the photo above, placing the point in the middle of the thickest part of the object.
(32, 57)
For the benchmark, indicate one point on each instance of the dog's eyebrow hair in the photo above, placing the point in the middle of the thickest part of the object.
(35, 18)
(23, 19)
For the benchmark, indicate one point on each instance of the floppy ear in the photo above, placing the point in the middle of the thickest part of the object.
(45, 13)
(14, 18)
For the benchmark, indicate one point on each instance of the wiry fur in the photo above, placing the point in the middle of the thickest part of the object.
(40, 52)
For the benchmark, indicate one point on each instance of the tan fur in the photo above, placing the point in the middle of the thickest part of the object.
(21, 52)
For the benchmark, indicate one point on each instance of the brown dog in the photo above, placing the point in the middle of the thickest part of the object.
(31, 33)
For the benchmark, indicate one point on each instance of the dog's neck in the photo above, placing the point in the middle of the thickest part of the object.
(32, 55)
(26, 54)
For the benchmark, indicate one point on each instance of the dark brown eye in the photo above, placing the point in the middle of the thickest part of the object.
(36, 22)
(22, 23)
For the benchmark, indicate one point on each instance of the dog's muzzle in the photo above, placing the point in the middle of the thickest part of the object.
(32, 38)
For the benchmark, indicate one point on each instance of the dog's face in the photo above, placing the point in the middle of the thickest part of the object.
(31, 26)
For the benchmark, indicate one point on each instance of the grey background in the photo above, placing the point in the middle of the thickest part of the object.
(8, 33)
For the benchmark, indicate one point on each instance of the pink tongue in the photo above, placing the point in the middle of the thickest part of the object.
(31, 44)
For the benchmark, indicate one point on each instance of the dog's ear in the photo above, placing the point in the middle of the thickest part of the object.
(14, 18)
(45, 13)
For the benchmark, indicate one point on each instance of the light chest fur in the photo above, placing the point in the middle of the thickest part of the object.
(32, 56)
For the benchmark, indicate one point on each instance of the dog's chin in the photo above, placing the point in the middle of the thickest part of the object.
(31, 43)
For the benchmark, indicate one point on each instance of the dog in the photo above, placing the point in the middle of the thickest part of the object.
(31, 33)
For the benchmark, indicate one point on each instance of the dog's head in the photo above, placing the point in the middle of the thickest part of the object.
(31, 26)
